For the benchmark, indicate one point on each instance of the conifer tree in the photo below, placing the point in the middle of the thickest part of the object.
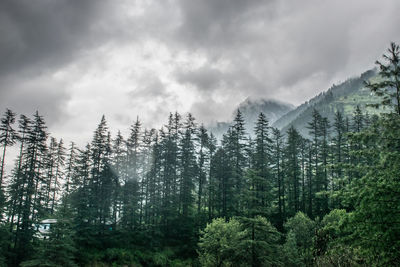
(212, 146)
(203, 138)
(237, 153)
(316, 186)
(8, 137)
(188, 166)
(277, 155)
(325, 151)
(31, 176)
(389, 87)
(292, 170)
(118, 162)
(18, 176)
(259, 176)
(68, 185)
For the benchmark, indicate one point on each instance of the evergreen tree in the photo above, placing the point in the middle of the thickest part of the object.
(325, 152)
(261, 181)
(338, 141)
(118, 163)
(237, 138)
(212, 146)
(202, 136)
(59, 248)
(16, 186)
(68, 186)
(374, 196)
(8, 137)
(292, 170)
(277, 155)
(29, 186)
(188, 166)
(389, 88)
(317, 181)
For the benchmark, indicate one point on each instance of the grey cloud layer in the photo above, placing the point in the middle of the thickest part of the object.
(44, 34)
(37, 38)
(257, 48)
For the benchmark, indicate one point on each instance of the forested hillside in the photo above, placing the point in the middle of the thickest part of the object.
(344, 97)
(177, 197)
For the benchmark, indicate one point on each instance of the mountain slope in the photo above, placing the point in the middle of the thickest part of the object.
(250, 109)
(343, 97)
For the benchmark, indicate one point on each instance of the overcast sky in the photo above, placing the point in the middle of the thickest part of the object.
(74, 60)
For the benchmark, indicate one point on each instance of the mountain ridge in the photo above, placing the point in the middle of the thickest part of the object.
(343, 97)
(273, 109)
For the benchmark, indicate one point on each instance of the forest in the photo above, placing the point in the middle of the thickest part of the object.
(177, 196)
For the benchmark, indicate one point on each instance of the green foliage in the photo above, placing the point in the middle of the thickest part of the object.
(261, 242)
(334, 224)
(239, 242)
(58, 248)
(343, 97)
(389, 87)
(219, 243)
(4, 243)
(302, 230)
(291, 251)
(340, 255)
(375, 221)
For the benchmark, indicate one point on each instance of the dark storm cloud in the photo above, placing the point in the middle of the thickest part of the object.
(37, 94)
(37, 38)
(40, 35)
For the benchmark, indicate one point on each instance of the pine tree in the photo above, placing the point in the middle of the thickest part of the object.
(59, 248)
(50, 162)
(277, 155)
(118, 161)
(325, 151)
(259, 176)
(147, 141)
(315, 132)
(68, 186)
(31, 176)
(212, 146)
(188, 166)
(82, 195)
(292, 170)
(17, 183)
(389, 88)
(203, 138)
(237, 153)
(8, 137)
(358, 119)
(102, 175)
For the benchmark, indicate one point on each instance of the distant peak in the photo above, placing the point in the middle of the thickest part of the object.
(249, 101)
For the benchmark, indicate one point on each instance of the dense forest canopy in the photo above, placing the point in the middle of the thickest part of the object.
(177, 196)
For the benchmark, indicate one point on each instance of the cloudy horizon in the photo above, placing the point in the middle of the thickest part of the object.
(76, 60)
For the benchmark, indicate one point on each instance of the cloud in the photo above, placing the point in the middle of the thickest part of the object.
(75, 60)
(204, 78)
(42, 35)
(49, 98)
(221, 23)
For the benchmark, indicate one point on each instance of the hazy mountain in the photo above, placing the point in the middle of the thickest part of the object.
(343, 97)
(250, 109)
